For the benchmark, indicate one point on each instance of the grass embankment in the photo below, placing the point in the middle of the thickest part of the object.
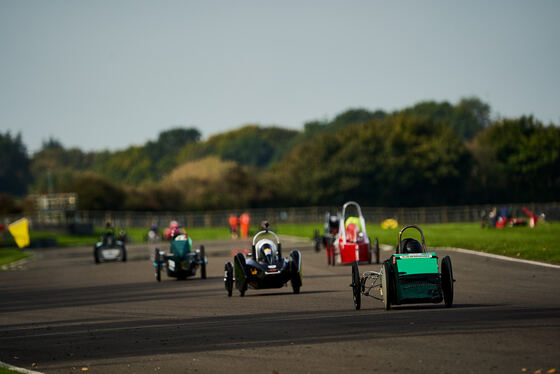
(540, 243)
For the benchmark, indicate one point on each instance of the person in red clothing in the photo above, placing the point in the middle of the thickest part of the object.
(233, 224)
(244, 222)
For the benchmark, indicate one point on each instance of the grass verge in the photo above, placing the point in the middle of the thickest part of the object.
(9, 255)
(4, 370)
(541, 243)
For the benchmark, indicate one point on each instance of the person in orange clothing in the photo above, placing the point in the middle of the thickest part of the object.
(244, 221)
(233, 224)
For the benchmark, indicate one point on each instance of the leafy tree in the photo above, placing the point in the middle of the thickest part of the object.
(399, 160)
(8, 204)
(249, 145)
(96, 193)
(471, 116)
(344, 119)
(163, 152)
(467, 118)
(53, 166)
(517, 160)
(15, 175)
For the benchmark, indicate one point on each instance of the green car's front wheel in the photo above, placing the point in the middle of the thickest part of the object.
(386, 286)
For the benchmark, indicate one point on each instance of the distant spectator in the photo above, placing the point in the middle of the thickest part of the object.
(233, 224)
(244, 222)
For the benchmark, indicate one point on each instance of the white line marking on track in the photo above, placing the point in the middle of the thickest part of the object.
(503, 258)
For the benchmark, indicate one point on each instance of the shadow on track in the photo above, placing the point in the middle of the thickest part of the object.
(97, 339)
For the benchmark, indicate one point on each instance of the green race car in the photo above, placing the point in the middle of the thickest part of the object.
(410, 276)
(181, 261)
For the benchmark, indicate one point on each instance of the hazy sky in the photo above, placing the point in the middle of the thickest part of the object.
(108, 74)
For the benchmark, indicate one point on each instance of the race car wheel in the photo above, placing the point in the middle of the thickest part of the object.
(386, 287)
(447, 281)
(356, 286)
(228, 278)
(294, 267)
(203, 263)
(333, 262)
(243, 288)
(157, 260)
(376, 249)
(96, 255)
(316, 241)
(370, 259)
(123, 253)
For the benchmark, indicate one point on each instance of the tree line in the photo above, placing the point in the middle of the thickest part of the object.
(432, 153)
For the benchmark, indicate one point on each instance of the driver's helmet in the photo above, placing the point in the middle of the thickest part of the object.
(176, 233)
(410, 245)
(334, 221)
(266, 250)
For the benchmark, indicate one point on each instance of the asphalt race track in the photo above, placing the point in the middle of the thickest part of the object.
(62, 313)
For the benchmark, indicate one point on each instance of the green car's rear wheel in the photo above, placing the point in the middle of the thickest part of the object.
(356, 286)
(386, 286)
(447, 281)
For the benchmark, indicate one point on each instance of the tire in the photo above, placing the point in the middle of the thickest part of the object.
(157, 260)
(241, 278)
(356, 286)
(376, 249)
(370, 252)
(316, 241)
(228, 278)
(333, 261)
(96, 255)
(243, 288)
(447, 281)
(386, 287)
(203, 264)
(123, 251)
(296, 277)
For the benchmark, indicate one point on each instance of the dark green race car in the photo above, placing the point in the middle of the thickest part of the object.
(181, 262)
(410, 276)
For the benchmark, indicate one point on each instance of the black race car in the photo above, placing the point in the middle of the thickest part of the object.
(332, 223)
(264, 267)
(109, 247)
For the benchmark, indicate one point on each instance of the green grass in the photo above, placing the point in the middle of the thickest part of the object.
(9, 255)
(540, 243)
(4, 370)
